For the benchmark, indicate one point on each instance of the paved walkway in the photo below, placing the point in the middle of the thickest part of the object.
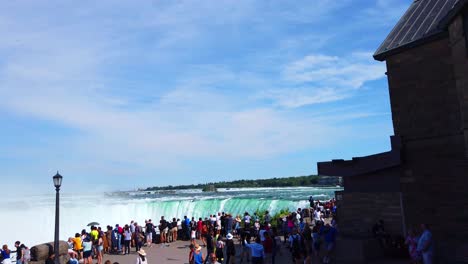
(177, 253)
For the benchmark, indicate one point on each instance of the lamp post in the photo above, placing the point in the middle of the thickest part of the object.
(57, 183)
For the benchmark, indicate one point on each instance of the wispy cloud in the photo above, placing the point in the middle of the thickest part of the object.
(318, 78)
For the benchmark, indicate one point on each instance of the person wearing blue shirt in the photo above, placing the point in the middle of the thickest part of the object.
(329, 234)
(425, 245)
(257, 251)
(186, 227)
(5, 252)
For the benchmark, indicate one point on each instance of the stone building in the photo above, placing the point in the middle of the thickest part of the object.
(424, 178)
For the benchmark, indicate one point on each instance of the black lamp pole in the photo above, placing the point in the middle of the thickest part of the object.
(57, 183)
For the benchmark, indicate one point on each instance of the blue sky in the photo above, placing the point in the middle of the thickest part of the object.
(119, 95)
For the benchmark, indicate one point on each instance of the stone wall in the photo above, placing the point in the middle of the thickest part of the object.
(387, 180)
(460, 66)
(358, 212)
(429, 99)
(423, 96)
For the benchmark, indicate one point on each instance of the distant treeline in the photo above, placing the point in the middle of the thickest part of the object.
(274, 182)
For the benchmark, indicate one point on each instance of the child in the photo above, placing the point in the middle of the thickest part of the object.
(412, 242)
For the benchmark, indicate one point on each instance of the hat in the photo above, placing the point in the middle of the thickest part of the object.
(197, 247)
(229, 236)
(141, 252)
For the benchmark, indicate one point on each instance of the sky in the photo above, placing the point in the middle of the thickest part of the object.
(118, 95)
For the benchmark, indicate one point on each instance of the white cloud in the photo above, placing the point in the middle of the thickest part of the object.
(318, 78)
(349, 72)
(297, 97)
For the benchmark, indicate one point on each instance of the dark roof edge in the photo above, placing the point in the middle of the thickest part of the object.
(363, 165)
(384, 55)
(453, 13)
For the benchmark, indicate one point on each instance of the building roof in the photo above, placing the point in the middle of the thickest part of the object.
(420, 23)
(363, 165)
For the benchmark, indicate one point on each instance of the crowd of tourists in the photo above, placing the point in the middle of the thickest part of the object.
(306, 234)
(259, 239)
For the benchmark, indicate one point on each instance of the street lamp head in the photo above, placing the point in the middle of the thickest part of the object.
(57, 180)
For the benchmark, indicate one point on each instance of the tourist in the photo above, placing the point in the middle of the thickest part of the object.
(26, 255)
(108, 234)
(127, 238)
(317, 216)
(71, 252)
(301, 225)
(267, 246)
(179, 234)
(173, 230)
(209, 244)
(139, 237)
(425, 245)
(6, 255)
(213, 259)
(163, 229)
(329, 234)
(257, 251)
(311, 201)
(191, 254)
(193, 230)
(116, 243)
(198, 255)
(186, 228)
(378, 230)
(296, 246)
(219, 250)
(199, 228)
(237, 226)
(256, 227)
(267, 218)
(19, 252)
(99, 248)
(78, 245)
(307, 235)
(245, 239)
(132, 229)
(316, 237)
(229, 222)
(218, 223)
(87, 250)
(247, 220)
(230, 249)
(115, 240)
(276, 244)
(204, 232)
(149, 227)
(141, 259)
(412, 243)
(73, 260)
(290, 223)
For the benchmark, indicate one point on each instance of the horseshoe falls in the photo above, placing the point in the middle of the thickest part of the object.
(31, 219)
